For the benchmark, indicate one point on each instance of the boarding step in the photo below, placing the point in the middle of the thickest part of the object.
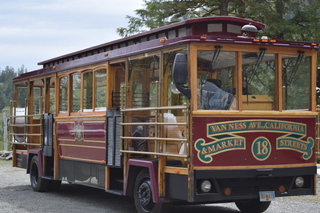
(115, 191)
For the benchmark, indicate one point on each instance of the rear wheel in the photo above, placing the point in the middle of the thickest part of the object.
(143, 199)
(38, 183)
(252, 206)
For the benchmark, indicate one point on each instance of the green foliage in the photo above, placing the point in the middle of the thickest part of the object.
(6, 94)
(297, 20)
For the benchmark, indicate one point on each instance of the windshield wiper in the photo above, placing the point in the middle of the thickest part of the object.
(258, 61)
(215, 57)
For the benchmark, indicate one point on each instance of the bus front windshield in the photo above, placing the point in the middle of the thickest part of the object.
(217, 80)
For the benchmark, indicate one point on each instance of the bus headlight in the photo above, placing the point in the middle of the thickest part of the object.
(299, 182)
(205, 186)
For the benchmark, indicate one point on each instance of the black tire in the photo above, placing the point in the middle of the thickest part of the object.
(252, 206)
(143, 195)
(54, 185)
(37, 183)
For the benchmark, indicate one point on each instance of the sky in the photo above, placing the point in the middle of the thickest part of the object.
(32, 31)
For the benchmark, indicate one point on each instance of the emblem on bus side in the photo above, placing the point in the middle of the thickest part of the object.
(225, 138)
(78, 132)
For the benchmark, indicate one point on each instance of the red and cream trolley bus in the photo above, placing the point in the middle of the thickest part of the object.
(200, 111)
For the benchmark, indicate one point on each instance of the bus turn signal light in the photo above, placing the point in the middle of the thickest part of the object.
(227, 191)
(282, 189)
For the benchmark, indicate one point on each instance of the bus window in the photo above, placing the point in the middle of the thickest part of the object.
(52, 100)
(295, 82)
(144, 74)
(100, 88)
(22, 91)
(216, 84)
(76, 92)
(173, 98)
(258, 76)
(37, 93)
(63, 95)
(87, 91)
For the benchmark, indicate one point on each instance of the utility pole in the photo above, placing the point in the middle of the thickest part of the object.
(5, 129)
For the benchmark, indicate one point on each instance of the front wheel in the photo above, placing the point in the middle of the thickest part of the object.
(38, 183)
(252, 206)
(143, 199)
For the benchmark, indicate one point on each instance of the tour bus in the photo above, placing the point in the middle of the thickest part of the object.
(206, 110)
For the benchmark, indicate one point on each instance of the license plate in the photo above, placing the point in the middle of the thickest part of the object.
(267, 196)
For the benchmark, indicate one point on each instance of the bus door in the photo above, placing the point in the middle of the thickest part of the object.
(116, 78)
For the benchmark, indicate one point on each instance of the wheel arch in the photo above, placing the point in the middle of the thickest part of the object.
(134, 167)
(31, 154)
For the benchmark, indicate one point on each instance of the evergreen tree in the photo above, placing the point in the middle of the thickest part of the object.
(297, 20)
(285, 19)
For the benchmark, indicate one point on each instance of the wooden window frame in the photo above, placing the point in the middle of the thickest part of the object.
(238, 48)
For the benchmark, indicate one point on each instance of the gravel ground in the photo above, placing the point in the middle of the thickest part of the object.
(16, 195)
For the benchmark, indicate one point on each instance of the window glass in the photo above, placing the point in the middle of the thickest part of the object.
(22, 95)
(52, 100)
(76, 92)
(63, 95)
(144, 73)
(100, 88)
(38, 95)
(258, 76)
(215, 83)
(87, 91)
(175, 97)
(295, 82)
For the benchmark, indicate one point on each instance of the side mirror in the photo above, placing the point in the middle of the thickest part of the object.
(180, 74)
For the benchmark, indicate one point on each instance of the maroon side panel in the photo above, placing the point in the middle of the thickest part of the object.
(82, 140)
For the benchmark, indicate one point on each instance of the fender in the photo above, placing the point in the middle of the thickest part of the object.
(153, 173)
(31, 153)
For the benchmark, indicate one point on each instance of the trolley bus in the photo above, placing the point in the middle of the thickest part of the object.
(200, 111)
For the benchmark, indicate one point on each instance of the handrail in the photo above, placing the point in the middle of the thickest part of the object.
(26, 125)
(157, 123)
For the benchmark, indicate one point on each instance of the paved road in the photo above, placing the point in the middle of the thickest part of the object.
(16, 195)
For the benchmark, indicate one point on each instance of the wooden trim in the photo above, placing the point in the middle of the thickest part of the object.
(107, 178)
(278, 83)
(93, 91)
(313, 80)
(176, 170)
(297, 114)
(173, 49)
(252, 167)
(239, 79)
(110, 84)
(69, 94)
(81, 159)
(82, 146)
(254, 48)
(144, 55)
(81, 93)
(119, 60)
(193, 75)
